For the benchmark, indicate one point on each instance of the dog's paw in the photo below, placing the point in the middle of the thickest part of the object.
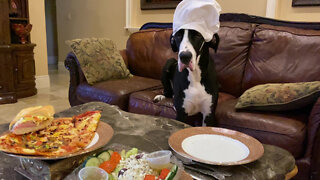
(158, 98)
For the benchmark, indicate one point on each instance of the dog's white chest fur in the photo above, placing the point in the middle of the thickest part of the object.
(196, 98)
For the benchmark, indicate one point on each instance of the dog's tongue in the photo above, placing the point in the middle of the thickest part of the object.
(182, 66)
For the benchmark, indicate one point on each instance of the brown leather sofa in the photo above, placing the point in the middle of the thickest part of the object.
(253, 50)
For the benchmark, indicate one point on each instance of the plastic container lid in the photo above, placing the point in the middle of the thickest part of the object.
(93, 173)
(159, 159)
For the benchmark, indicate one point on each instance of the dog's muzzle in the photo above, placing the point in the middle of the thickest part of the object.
(185, 60)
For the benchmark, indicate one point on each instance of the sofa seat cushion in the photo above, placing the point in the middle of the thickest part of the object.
(117, 91)
(285, 129)
(142, 103)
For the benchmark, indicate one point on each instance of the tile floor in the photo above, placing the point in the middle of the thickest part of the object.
(55, 95)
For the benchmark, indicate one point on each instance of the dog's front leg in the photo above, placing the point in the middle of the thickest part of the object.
(209, 120)
(181, 115)
(208, 113)
(158, 98)
(166, 80)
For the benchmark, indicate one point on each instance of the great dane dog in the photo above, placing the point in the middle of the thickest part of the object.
(191, 80)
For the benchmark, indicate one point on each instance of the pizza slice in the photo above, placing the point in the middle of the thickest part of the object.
(62, 137)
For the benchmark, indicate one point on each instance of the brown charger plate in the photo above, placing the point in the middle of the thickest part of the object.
(256, 149)
(104, 131)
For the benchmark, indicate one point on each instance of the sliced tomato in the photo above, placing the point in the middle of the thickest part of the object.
(164, 173)
(115, 157)
(108, 166)
(149, 177)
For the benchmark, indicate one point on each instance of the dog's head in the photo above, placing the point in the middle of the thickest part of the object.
(189, 45)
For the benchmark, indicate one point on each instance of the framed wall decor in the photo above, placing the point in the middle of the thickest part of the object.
(305, 3)
(158, 4)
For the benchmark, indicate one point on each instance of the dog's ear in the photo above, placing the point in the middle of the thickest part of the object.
(214, 43)
(173, 44)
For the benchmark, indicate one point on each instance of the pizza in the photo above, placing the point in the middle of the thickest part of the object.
(62, 137)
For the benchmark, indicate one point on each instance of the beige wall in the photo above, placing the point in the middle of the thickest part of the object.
(139, 17)
(94, 18)
(51, 30)
(38, 36)
(252, 7)
(286, 12)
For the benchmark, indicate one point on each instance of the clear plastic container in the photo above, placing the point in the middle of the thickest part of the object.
(93, 173)
(159, 159)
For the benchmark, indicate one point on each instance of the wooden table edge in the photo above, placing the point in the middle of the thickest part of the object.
(292, 173)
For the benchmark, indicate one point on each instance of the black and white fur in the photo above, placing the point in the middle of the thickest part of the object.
(191, 80)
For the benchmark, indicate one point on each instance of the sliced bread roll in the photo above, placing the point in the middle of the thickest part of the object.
(32, 119)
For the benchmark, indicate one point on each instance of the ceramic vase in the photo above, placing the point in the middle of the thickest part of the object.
(22, 31)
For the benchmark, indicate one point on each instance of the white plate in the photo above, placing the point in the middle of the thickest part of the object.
(94, 140)
(216, 146)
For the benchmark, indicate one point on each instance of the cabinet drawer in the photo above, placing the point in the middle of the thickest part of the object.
(6, 72)
(24, 70)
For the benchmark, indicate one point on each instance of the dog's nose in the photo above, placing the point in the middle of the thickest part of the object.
(185, 57)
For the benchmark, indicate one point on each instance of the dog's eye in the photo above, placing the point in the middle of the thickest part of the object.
(179, 36)
(198, 36)
(195, 35)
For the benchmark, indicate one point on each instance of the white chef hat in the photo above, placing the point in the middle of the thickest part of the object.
(199, 15)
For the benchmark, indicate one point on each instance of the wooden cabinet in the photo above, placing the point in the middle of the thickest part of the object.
(17, 66)
(7, 89)
(24, 70)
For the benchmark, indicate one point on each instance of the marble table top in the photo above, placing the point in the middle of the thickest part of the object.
(150, 133)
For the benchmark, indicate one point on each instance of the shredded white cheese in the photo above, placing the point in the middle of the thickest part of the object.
(136, 168)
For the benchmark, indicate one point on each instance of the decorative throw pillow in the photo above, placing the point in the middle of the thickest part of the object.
(279, 97)
(99, 59)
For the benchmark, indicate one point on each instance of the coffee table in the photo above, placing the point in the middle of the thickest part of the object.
(147, 133)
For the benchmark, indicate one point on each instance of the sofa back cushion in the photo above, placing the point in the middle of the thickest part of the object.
(282, 54)
(148, 51)
(99, 59)
(232, 54)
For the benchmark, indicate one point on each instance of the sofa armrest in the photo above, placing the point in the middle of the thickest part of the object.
(313, 147)
(123, 53)
(76, 77)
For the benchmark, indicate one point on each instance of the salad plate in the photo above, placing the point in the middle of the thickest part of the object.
(216, 146)
(102, 136)
(133, 163)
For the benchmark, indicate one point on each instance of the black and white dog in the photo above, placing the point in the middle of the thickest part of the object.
(192, 80)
